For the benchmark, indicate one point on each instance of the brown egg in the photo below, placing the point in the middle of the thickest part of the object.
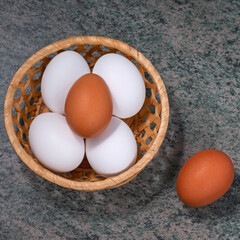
(205, 177)
(88, 107)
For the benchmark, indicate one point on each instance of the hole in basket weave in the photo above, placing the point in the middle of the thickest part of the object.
(148, 92)
(13, 111)
(148, 140)
(37, 75)
(88, 47)
(38, 64)
(17, 93)
(38, 88)
(67, 174)
(157, 96)
(21, 121)
(72, 48)
(98, 176)
(22, 145)
(52, 55)
(82, 54)
(143, 133)
(135, 63)
(16, 130)
(22, 105)
(118, 52)
(96, 54)
(25, 78)
(25, 138)
(148, 78)
(30, 151)
(105, 49)
(142, 153)
(152, 125)
(28, 89)
(29, 116)
(139, 145)
(31, 102)
(152, 109)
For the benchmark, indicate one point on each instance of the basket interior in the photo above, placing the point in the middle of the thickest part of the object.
(28, 104)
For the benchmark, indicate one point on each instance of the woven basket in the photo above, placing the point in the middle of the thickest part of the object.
(24, 102)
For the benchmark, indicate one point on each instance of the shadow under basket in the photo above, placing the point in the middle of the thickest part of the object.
(24, 102)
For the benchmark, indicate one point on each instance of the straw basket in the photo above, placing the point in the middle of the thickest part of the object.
(24, 102)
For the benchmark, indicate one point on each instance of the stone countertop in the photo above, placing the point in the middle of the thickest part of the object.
(195, 47)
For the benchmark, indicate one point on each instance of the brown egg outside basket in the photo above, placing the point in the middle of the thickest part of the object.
(23, 103)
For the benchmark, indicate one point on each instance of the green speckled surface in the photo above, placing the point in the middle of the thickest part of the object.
(195, 47)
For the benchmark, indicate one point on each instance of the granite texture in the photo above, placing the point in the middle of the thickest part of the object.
(195, 47)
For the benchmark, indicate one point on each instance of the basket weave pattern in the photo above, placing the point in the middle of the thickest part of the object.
(24, 102)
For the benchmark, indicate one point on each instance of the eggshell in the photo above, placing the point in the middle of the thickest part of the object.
(205, 177)
(88, 107)
(125, 83)
(113, 151)
(54, 144)
(58, 77)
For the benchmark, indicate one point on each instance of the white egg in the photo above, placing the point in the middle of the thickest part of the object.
(114, 150)
(58, 77)
(125, 83)
(54, 144)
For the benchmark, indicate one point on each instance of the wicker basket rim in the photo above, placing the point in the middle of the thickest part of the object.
(47, 174)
